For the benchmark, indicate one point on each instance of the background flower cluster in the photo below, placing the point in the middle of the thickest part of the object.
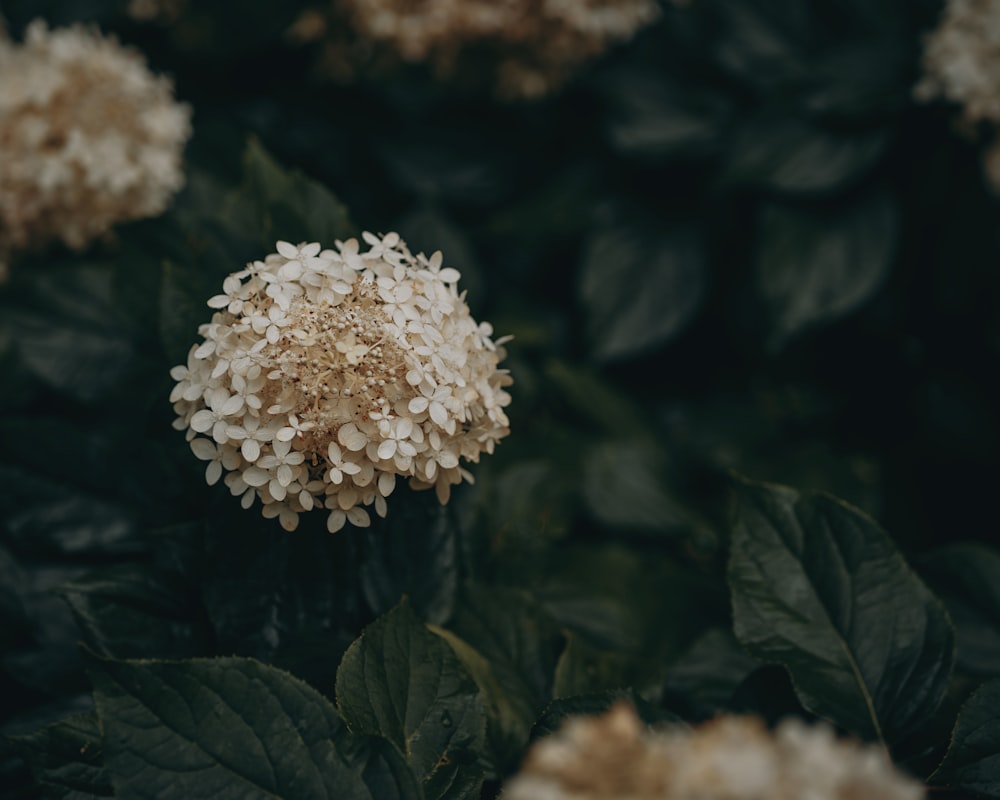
(747, 251)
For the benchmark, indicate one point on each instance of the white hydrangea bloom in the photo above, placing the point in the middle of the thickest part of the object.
(324, 374)
(89, 137)
(531, 46)
(962, 59)
(613, 756)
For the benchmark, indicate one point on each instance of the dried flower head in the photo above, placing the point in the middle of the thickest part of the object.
(325, 374)
(526, 48)
(89, 136)
(731, 758)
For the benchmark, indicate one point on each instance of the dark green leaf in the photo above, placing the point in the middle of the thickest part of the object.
(131, 611)
(967, 578)
(586, 669)
(640, 285)
(510, 646)
(818, 587)
(65, 332)
(266, 592)
(413, 552)
(813, 268)
(595, 704)
(400, 681)
(704, 676)
(233, 728)
(624, 486)
(972, 762)
(777, 150)
(285, 205)
(763, 42)
(621, 598)
(13, 620)
(455, 780)
(653, 117)
(65, 758)
(595, 400)
(184, 307)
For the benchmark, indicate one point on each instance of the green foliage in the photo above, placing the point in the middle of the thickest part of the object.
(973, 758)
(66, 758)
(403, 683)
(233, 728)
(735, 243)
(818, 587)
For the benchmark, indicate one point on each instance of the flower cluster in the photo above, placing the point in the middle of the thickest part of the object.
(527, 48)
(730, 758)
(962, 65)
(89, 137)
(325, 374)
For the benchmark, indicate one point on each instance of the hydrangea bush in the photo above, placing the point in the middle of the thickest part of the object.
(749, 269)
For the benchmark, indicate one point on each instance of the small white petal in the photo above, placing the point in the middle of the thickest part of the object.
(250, 449)
(359, 517)
(213, 472)
(387, 449)
(386, 483)
(287, 249)
(336, 520)
(204, 449)
(255, 476)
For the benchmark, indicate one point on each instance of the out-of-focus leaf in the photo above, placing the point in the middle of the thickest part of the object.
(777, 150)
(64, 332)
(265, 591)
(972, 762)
(510, 646)
(413, 552)
(586, 669)
(51, 516)
(652, 117)
(967, 578)
(231, 728)
(285, 205)
(595, 704)
(624, 486)
(764, 42)
(640, 285)
(704, 677)
(446, 163)
(813, 268)
(619, 598)
(65, 758)
(819, 587)
(594, 400)
(133, 611)
(184, 307)
(13, 620)
(401, 682)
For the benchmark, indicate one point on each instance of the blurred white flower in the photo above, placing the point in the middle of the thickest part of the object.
(961, 64)
(89, 137)
(962, 59)
(527, 47)
(311, 394)
(614, 756)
